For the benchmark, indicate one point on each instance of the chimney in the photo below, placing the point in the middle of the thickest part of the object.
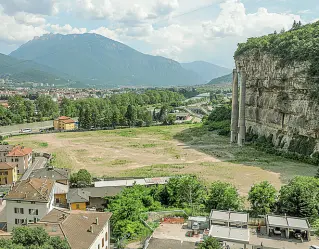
(91, 229)
(97, 221)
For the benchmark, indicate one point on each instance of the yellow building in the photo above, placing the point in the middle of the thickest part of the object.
(64, 123)
(78, 199)
(8, 174)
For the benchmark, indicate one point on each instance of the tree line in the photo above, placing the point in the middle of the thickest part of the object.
(116, 109)
(300, 198)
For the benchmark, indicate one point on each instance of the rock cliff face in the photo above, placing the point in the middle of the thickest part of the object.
(278, 102)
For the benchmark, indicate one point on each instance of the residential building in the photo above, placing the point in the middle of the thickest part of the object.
(21, 157)
(94, 198)
(59, 175)
(60, 194)
(81, 229)
(61, 178)
(4, 150)
(64, 123)
(78, 199)
(29, 201)
(8, 173)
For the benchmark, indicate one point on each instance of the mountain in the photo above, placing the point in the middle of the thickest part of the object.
(99, 61)
(25, 70)
(206, 70)
(221, 80)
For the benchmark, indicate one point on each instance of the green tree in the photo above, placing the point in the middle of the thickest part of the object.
(210, 243)
(27, 236)
(58, 243)
(130, 115)
(223, 196)
(300, 197)
(127, 209)
(46, 107)
(262, 198)
(186, 191)
(81, 178)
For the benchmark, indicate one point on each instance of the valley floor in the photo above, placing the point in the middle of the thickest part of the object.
(165, 151)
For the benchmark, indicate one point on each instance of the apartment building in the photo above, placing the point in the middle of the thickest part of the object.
(81, 229)
(29, 201)
(21, 157)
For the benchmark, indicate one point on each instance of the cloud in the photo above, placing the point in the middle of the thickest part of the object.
(111, 34)
(16, 32)
(166, 7)
(44, 7)
(172, 52)
(29, 19)
(234, 21)
(94, 9)
(66, 29)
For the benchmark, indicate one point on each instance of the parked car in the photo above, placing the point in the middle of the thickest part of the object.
(314, 247)
(26, 130)
(277, 231)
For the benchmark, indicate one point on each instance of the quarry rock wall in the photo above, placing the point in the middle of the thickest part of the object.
(279, 103)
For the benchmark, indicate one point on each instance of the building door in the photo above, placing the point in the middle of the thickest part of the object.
(6, 180)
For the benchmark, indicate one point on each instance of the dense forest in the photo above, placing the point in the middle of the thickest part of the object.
(117, 109)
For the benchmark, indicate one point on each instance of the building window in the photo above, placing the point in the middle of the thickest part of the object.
(18, 210)
(105, 235)
(16, 160)
(5, 173)
(33, 211)
(102, 242)
(57, 200)
(77, 206)
(19, 221)
(98, 246)
(12, 160)
(18, 171)
(32, 202)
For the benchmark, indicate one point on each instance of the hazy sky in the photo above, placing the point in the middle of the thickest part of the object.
(185, 30)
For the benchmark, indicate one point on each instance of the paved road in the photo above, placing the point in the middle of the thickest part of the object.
(39, 162)
(14, 129)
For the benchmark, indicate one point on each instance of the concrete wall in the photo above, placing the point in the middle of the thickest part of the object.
(104, 234)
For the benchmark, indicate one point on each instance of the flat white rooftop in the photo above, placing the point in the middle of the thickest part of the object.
(232, 234)
(228, 216)
(131, 182)
(287, 222)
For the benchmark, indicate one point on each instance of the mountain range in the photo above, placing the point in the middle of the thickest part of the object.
(206, 70)
(94, 60)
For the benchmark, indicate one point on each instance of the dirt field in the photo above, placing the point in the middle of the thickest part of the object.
(145, 152)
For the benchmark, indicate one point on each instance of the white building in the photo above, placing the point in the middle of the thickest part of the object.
(21, 157)
(81, 229)
(29, 201)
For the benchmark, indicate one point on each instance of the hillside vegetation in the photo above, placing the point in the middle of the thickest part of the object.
(222, 80)
(25, 70)
(301, 43)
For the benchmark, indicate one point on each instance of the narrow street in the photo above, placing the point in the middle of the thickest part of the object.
(38, 163)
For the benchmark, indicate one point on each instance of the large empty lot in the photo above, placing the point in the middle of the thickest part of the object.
(164, 151)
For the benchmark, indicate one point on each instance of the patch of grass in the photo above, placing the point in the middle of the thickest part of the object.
(145, 146)
(43, 144)
(212, 144)
(156, 170)
(62, 159)
(127, 133)
(119, 162)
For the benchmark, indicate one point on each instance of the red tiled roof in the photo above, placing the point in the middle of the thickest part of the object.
(68, 121)
(6, 166)
(20, 151)
(63, 118)
(32, 190)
